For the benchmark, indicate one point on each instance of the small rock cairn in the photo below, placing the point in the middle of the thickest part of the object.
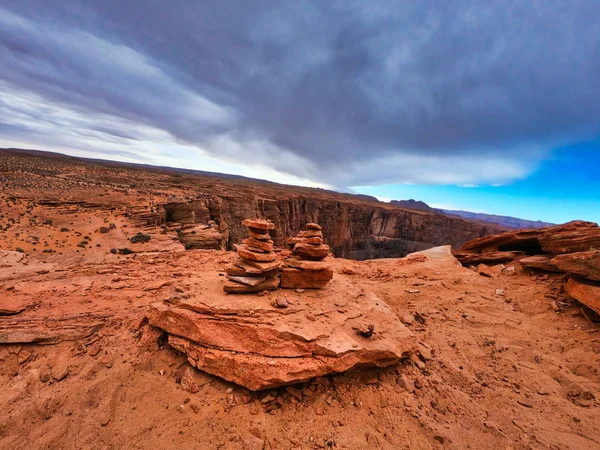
(305, 269)
(257, 267)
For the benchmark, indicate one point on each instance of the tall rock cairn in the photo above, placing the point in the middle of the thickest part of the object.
(257, 267)
(305, 269)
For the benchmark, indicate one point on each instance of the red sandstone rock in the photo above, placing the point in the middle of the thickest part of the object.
(265, 246)
(485, 271)
(311, 252)
(468, 258)
(306, 265)
(541, 262)
(233, 287)
(250, 342)
(265, 266)
(258, 224)
(313, 226)
(571, 241)
(313, 234)
(259, 236)
(586, 264)
(292, 278)
(244, 252)
(234, 270)
(531, 240)
(249, 281)
(586, 292)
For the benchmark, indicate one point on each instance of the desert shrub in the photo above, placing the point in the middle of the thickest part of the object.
(140, 237)
(125, 251)
(64, 230)
(19, 249)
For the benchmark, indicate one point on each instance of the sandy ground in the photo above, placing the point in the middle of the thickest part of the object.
(512, 371)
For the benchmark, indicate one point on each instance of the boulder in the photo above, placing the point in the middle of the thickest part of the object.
(539, 262)
(468, 258)
(292, 278)
(201, 237)
(584, 291)
(311, 252)
(586, 264)
(485, 271)
(250, 342)
(537, 240)
(313, 226)
(571, 241)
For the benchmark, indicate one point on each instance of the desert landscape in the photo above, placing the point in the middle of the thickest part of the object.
(145, 307)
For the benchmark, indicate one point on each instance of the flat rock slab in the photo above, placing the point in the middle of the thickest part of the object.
(586, 264)
(12, 306)
(540, 262)
(46, 330)
(586, 292)
(248, 341)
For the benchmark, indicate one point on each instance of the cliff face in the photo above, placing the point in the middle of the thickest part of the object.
(205, 210)
(353, 229)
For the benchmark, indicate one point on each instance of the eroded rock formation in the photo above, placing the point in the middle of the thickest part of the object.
(246, 340)
(569, 248)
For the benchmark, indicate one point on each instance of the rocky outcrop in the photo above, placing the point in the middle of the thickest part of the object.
(586, 292)
(585, 264)
(205, 237)
(567, 248)
(540, 262)
(354, 229)
(248, 341)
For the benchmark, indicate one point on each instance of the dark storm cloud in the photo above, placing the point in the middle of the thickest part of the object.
(345, 92)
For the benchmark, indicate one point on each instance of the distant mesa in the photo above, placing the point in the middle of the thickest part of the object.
(505, 221)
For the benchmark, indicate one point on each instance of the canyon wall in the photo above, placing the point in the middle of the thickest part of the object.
(353, 229)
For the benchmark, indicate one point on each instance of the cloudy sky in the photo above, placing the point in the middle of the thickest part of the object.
(478, 105)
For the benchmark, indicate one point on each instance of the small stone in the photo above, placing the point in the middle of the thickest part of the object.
(424, 352)
(187, 381)
(406, 383)
(60, 371)
(45, 375)
(485, 271)
(413, 291)
(281, 302)
(407, 319)
(229, 391)
(500, 292)
(24, 356)
(299, 291)
(366, 330)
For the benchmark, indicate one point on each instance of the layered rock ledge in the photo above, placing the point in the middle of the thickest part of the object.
(246, 340)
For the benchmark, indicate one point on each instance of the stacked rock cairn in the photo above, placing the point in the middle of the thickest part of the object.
(305, 269)
(257, 267)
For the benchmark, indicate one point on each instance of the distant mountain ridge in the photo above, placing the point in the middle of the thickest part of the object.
(506, 221)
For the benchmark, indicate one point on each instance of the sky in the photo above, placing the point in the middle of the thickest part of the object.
(464, 104)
